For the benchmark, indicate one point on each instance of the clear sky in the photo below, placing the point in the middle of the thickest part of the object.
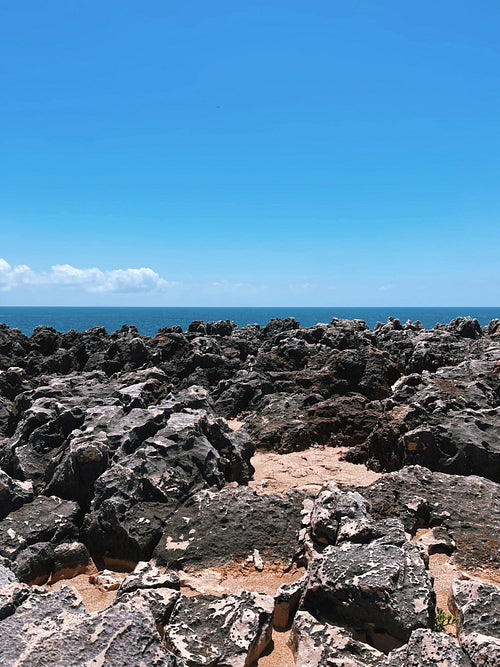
(250, 152)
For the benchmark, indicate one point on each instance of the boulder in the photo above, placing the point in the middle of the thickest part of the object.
(466, 509)
(478, 606)
(426, 648)
(43, 520)
(316, 644)
(215, 528)
(231, 631)
(13, 494)
(379, 589)
(54, 629)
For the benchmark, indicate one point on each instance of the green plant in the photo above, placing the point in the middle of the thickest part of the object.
(443, 619)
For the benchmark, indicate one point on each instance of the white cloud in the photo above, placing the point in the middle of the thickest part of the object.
(90, 280)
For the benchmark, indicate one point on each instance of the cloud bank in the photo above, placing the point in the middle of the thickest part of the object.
(90, 280)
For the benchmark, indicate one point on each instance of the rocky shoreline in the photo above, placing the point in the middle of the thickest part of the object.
(126, 453)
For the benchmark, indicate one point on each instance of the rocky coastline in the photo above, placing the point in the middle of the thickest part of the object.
(129, 460)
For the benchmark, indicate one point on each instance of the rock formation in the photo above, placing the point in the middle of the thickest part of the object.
(118, 451)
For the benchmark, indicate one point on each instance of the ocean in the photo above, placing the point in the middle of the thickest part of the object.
(149, 320)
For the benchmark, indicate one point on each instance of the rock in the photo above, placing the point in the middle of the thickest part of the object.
(426, 648)
(116, 533)
(35, 563)
(448, 421)
(466, 508)
(105, 580)
(12, 592)
(43, 520)
(54, 629)
(286, 603)
(13, 494)
(71, 559)
(215, 528)
(197, 635)
(375, 588)
(161, 602)
(478, 606)
(147, 576)
(322, 645)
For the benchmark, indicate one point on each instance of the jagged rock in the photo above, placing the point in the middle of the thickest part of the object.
(161, 602)
(35, 563)
(447, 421)
(127, 430)
(426, 648)
(478, 606)
(197, 635)
(119, 533)
(54, 629)
(43, 520)
(374, 588)
(332, 508)
(147, 576)
(214, 528)
(337, 517)
(71, 559)
(13, 494)
(12, 592)
(467, 508)
(316, 644)
(286, 603)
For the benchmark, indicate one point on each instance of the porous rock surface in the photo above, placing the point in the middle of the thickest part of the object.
(115, 449)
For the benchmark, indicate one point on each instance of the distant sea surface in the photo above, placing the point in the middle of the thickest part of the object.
(149, 320)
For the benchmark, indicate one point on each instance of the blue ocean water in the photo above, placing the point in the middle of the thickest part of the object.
(149, 320)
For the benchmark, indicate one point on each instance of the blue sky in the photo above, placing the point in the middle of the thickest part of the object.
(250, 153)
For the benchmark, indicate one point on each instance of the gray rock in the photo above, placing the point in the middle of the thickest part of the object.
(286, 603)
(147, 576)
(466, 508)
(478, 606)
(316, 644)
(13, 494)
(43, 520)
(35, 563)
(161, 602)
(12, 592)
(374, 588)
(119, 532)
(214, 528)
(426, 648)
(71, 559)
(53, 629)
(231, 631)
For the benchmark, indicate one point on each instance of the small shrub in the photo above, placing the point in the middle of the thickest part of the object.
(443, 619)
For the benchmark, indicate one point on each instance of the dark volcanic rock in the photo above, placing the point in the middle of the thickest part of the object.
(71, 559)
(54, 629)
(43, 520)
(478, 606)
(13, 494)
(230, 631)
(214, 528)
(324, 645)
(115, 447)
(375, 588)
(467, 508)
(426, 648)
(447, 420)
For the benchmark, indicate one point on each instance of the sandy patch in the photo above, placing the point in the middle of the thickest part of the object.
(279, 653)
(92, 597)
(239, 576)
(307, 470)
